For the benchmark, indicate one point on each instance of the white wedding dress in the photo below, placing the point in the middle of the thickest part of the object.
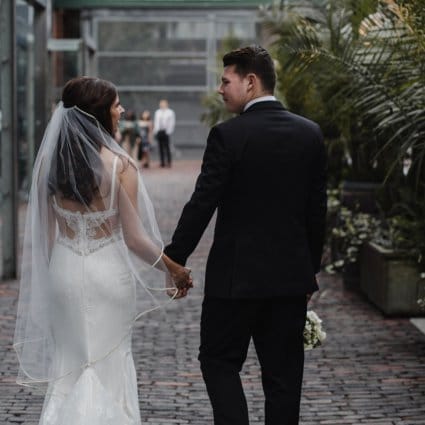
(93, 302)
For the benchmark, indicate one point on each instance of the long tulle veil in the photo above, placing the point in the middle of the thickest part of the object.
(76, 162)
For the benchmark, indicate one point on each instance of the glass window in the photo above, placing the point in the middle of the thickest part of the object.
(245, 32)
(242, 30)
(163, 56)
(64, 65)
(153, 71)
(186, 105)
(152, 36)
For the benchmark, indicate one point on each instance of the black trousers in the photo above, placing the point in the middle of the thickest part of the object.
(164, 148)
(276, 326)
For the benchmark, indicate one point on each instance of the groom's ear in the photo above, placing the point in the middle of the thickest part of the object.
(252, 80)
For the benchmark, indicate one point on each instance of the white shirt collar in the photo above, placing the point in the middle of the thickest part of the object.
(258, 99)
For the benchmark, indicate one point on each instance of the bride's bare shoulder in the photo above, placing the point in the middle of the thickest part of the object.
(125, 168)
(125, 165)
(109, 157)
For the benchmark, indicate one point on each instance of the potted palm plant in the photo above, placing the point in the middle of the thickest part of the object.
(363, 63)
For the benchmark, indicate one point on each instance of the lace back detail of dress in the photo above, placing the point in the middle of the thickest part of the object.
(85, 233)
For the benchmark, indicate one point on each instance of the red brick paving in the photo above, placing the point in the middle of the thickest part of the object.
(371, 370)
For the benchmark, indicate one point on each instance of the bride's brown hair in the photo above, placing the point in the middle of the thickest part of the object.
(92, 95)
(73, 174)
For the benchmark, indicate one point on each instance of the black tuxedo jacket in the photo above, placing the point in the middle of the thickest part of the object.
(265, 173)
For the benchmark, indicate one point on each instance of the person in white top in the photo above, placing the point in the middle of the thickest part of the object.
(164, 123)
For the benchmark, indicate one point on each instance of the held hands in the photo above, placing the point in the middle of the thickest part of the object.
(178, 280)
(173, 291)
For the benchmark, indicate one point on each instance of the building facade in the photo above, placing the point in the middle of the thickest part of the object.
(162, 49)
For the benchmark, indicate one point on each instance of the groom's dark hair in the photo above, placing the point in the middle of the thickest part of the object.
(253, 59)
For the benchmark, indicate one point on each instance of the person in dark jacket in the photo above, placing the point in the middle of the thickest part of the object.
(264, 171)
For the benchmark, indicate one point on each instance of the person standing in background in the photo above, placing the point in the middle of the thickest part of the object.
(145, 133)
(164, 123)
(130, 134)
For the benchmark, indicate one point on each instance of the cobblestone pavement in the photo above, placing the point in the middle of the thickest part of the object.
(371, 370)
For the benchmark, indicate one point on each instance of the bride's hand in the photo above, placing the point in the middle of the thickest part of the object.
(173, 291)
(176, 293)
(180, 275)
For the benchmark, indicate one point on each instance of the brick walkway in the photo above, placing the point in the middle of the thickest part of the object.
(370, 371)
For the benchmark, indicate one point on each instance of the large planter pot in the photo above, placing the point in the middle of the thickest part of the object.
(391, 281)
(351, 277)
(360, 196)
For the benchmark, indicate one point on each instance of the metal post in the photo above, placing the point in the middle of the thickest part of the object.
(30, 108)
(9, 154)
(89, 47)
(212, 53)
(42, 107)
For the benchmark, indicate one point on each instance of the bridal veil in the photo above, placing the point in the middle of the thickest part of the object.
(81, 170)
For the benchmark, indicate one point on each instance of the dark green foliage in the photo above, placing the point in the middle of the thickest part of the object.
(358, 69)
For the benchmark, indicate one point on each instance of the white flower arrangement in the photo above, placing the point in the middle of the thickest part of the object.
(313, 333)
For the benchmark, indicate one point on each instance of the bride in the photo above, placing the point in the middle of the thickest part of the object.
(91, 244)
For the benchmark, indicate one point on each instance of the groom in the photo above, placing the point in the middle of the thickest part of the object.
(264, 173)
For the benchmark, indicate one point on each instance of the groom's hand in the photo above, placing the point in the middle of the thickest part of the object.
(182, 278)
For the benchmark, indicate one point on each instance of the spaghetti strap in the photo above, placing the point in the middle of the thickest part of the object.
(114, 173)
